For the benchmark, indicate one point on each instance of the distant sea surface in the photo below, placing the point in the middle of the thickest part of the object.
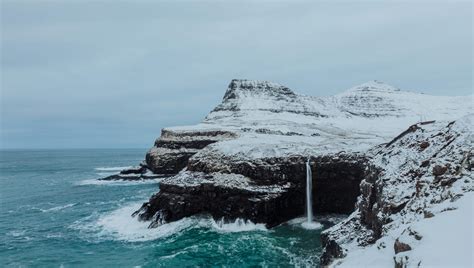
(54, 213)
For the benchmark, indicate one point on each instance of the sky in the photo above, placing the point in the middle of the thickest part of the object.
(111, 74)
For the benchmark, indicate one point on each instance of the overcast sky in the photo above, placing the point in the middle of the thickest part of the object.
(107, 74)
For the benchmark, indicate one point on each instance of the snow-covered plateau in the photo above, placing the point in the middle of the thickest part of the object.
(399, 163)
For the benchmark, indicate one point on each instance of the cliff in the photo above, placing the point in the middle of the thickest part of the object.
(246, 159)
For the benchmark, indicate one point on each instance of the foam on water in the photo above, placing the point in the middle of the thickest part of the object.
(16, 233)
(120, 225)
(57, 208)
(112, 168)
(105, 174)
(116, 182)
(239, 225)
(303, 222)
(311, 225)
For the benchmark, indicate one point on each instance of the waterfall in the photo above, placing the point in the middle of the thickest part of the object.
(309, 223)
(309, 194)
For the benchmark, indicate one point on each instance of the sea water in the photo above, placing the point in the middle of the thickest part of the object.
(55, 213)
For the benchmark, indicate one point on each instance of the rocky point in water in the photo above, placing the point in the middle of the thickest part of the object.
(247, 159)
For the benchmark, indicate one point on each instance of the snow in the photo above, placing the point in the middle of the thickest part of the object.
(355, 120)
(446, 242)
(232, 181)
(445, 239)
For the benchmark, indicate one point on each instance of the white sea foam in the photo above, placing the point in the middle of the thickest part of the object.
(105, 174)
(119, 225)
(112, 168)
(16, 233)
(303, 222)
(57, 208)
(239, 225)
(116, 182)
(311, 225)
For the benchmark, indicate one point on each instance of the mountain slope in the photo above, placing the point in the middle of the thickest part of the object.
(426, 175)
(354, 120)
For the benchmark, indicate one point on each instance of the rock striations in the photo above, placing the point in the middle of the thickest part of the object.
(246, 159)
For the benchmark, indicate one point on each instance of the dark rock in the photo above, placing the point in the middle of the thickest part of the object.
(448, 181)
(331, 250)
(395, 208)
(425, 163)
(336, 182)
(401, 262)
(170, 163)
(424, 145)
(134, 174)
(400, 246)
(133, 177)
(134, 170)
(415, 234)
(428, 214)
(172, 150)
(439, 170)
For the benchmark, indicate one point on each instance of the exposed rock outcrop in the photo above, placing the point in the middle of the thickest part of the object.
(173, 149)
(414, 184)
(141, 172)
(268, 191)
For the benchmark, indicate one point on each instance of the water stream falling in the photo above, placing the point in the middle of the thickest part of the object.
(309, 223)
(309, 194)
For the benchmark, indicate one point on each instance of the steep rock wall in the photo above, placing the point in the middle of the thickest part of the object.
(267, 191)
(173, 149)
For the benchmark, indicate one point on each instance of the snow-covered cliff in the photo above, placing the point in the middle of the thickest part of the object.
(246, 159)
(271, 120)
(419, 211)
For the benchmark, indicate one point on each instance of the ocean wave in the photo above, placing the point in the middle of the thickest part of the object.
(57, 208)
(105, 174)
(17, 233)
(116, 182)
(296, 259)
(112, 168)
(120, 225)
(239, 225)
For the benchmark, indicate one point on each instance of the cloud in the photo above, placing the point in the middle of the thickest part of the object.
(98, 74)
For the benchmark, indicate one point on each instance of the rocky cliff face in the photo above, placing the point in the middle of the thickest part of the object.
(269, 191)
(172, 150)
(247, 159)
(260, 119)
(423, 171)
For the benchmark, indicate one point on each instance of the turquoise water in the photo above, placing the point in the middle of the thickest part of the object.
(54, 213)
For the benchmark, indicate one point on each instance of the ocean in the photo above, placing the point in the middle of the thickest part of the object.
(54, 213)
